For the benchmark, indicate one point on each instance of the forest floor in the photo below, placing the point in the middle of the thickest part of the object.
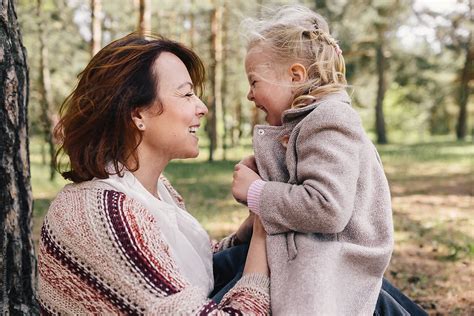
(432, 188)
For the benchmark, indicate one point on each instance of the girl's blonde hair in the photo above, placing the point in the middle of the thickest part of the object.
(297, 34)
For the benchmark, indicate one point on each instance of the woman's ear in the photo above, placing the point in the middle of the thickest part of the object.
(137, 118)
(298, 73)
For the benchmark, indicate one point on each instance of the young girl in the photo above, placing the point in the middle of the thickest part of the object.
(320, 189)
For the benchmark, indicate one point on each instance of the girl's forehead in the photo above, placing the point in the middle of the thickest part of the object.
(257, 59)
(259, 50)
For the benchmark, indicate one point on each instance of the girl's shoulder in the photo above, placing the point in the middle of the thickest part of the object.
(326, 106)
(335, 108)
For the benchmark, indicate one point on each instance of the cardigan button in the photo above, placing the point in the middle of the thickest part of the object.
(261, 132)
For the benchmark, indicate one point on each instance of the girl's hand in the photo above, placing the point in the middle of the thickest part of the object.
(243, 178)
(249, 161)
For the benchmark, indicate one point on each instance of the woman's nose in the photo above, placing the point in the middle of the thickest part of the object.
(201, 108)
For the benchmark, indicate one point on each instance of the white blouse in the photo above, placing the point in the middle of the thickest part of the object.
(189, 243)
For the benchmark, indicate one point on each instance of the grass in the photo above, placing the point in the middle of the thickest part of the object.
(432, 198)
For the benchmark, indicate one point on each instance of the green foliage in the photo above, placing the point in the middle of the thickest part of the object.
(421, 94)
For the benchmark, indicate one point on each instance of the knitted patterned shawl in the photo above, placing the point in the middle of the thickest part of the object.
(101, 252)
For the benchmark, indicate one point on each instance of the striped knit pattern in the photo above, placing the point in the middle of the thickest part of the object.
(102, 253)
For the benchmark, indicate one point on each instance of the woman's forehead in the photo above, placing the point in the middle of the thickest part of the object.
(171, 70)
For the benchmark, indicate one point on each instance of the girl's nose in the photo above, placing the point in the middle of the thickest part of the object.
(250, 95)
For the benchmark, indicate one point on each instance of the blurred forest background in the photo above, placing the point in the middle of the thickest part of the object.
(411, 70)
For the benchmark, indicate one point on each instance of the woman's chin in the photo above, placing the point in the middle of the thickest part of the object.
(190, 154)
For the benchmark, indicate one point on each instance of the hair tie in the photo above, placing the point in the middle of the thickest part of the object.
(328, 38)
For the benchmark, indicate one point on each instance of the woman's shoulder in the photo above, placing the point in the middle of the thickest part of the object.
(82, 188)
(88, 214)
(94, 202)
(78, 195)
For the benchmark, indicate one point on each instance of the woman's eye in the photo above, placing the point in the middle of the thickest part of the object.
(253, 83)
(189, 94)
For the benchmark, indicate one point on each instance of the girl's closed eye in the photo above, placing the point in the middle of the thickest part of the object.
(189, 94)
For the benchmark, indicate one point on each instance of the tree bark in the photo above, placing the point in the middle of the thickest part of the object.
(45, 91)
(215, 101)
(238, 114)
(17, 261)
(144, 18)
(161, 22)
(96, 26)
(224, 86)
(379, 115)
(467, 72)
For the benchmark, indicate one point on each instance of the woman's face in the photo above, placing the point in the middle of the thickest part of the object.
(173, 133)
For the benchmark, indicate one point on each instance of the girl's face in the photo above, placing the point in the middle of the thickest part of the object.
(270, 84)
(173, 133)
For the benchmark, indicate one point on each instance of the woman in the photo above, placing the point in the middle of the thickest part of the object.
(118, 240)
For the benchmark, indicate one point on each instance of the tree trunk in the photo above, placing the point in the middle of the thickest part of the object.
(461, 126)
(45, 91)
(161, 22)
(17, 261)
(237, 126)
(172, 25)
(215, 102)
(192, 27)
(144, 18)
(224, 86)
(379, 115)
(96, 28)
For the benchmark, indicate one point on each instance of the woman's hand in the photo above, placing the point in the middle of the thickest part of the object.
(243, 178)
(258, 228)
(244, 233)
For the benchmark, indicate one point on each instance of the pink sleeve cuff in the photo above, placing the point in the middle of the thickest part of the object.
(253, 195)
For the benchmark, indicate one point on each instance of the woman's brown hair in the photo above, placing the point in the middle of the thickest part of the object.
(96, 126)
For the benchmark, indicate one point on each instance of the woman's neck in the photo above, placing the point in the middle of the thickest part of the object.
(149, 172)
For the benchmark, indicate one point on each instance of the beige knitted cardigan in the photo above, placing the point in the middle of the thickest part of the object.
(101, 252)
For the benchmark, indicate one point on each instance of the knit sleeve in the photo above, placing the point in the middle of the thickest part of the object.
(102, 253)
(224, 243)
